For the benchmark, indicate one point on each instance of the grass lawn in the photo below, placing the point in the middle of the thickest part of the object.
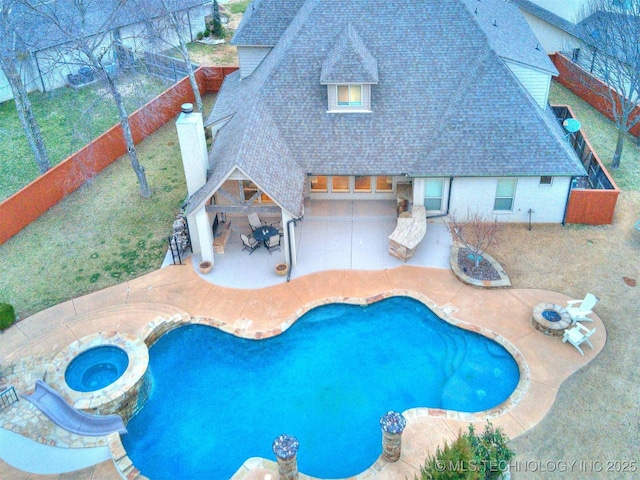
(69, 119)
(238, 6)
(603, 135)
(100, 235)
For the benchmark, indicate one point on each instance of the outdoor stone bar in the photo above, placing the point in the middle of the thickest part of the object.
(286, 449)
(393, 424)
(408, 234)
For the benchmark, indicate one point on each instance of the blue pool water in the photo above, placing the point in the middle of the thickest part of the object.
(217, 400)
(96, 368)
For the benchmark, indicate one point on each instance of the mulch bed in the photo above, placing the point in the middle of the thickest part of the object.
(484, 271)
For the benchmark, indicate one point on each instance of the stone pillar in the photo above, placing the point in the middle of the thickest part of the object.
(286, 449)
(392, 424)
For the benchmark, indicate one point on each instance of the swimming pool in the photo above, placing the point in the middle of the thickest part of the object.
(218, 400)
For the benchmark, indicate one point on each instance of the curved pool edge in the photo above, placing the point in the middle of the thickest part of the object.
(155, 330)
(136, 302)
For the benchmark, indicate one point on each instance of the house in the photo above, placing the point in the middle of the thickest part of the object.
(568, 27)
(46, 58)
(444, 102)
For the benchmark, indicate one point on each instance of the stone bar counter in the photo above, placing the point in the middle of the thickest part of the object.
(408, 234)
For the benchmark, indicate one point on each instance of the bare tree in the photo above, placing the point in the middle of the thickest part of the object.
(476, 232)
(614, 29)
(10, 51)
(86, 32)
(170, 19)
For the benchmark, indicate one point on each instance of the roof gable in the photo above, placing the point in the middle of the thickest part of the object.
(349, 61)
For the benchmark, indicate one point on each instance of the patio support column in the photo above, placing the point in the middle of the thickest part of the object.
(204, 234)
(286, 449)
(392, 424)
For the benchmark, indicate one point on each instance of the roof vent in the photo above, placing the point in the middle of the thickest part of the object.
(495, 23)
(187, 108)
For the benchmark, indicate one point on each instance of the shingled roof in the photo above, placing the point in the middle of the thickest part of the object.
(349, 61)
(502, 24)
(264, 21)
(445, 103)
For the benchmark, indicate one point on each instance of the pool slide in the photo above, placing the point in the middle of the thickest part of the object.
(56, 408)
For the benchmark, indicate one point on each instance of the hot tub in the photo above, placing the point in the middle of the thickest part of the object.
(103, 373)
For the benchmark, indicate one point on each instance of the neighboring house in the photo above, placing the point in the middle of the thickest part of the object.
(565, 27)
(47, 58)
(363, 99)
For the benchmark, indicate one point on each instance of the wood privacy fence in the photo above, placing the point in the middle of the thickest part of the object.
(26, 205)
(586, 86)
(596, 204)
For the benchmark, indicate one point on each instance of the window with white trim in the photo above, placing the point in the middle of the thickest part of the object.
(362, 184)
(505, 193)
(433, 192)
(349, 95)
(384, 184)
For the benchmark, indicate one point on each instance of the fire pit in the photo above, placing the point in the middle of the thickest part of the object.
(550, 319)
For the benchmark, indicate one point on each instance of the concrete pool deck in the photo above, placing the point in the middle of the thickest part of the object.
(179, 292)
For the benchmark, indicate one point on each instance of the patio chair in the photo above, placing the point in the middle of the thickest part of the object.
(273, 243)
(254, 221)
(249, 243)
(578, 335)
(580, 312)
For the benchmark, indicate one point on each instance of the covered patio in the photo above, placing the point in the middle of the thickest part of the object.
(334, 235)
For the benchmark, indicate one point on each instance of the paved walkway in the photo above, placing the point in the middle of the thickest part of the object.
(129, 307)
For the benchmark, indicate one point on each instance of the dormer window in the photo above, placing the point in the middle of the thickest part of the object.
(349, 95)
(349, 71)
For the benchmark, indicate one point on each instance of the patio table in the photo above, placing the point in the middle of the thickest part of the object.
(264, 233)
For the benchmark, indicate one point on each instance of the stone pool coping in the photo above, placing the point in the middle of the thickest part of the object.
(133, 306)
(104, 400)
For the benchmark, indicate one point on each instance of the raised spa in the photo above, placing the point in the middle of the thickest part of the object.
(103, 373)
(96, 368)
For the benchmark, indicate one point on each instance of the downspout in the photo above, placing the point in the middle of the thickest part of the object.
(294, 220)
(566, 203)
(448, 203)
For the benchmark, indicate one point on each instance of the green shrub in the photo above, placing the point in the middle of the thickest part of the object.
(200, 35)
(7, 315)
(472, 456)
(491, 453)
(453, 462)
(206, 32)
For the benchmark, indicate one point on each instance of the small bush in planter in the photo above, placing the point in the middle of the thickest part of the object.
(7, 315)
(200, 35)
(453, 462)
(491, 453)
